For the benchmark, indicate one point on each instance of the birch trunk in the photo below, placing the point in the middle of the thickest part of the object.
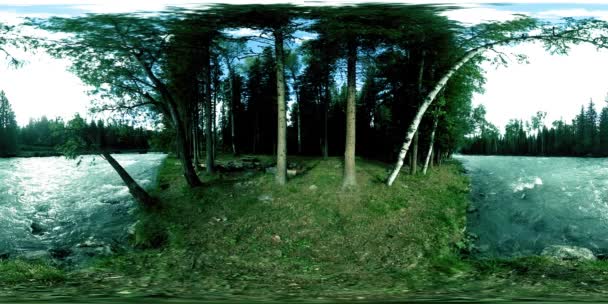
(299, 129)
(350, 179)
(281, 177)
(209, 161)
(431, 143)
(326, 98)
(430, 97)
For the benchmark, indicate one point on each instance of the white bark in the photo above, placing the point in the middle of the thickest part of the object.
(413, 128)
(431, 143)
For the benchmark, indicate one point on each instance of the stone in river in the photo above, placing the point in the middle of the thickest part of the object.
(563, 252)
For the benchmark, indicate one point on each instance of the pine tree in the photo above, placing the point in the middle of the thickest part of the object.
(603, 132)
(8, 128)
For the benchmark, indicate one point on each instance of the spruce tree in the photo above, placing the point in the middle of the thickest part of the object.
(8, 128)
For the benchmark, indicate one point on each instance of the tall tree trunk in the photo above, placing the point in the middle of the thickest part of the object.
(414, 158)
(326, 98)
(170, 108)
(209, 160)
(298, 114)
(350, 179)
(413, 128)
(140, 195)
(299, 129)
(281, 177)
(216, 90)
(431, 143)
(232, 124)
(195, 140)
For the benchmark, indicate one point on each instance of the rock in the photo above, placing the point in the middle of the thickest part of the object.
(111, 201)
(292, 172)
(250, 160)
(271, 170)
(472, 209)
(276, 238)
(35, 255)
(563, 252)
(265, 198)
(133, 228)
(60, 253)
(313, 188)
(37, 228)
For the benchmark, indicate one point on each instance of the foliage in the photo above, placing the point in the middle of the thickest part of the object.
(586, 135)
(8, 128)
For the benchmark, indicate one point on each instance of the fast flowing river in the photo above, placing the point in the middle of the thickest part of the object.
(56, 207)
(521, 205)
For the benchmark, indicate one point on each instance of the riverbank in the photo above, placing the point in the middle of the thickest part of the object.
(241, 237)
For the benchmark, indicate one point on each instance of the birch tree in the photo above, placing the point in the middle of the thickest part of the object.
(556, 38)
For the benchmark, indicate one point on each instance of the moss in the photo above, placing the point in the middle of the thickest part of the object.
(19, 271)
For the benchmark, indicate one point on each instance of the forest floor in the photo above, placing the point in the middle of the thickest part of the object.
(240, 237)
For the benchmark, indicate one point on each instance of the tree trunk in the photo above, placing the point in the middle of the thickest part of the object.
(413, 128)
(350, 179)
(414, 158)
(281, 177)
(216, 91)
(209, 161)
(325, 118)
(430, 97)
(299, 129)
(195, 140)
(140, 195)
(430, 153)
(232, 130)
(298, 114)
(170, 108)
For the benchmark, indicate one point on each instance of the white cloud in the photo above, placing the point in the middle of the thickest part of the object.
(241, 32)
(558, 85)
(477, 15)
(42, 87)
(579, 12)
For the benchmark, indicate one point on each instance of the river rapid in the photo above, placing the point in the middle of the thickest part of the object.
(520, 205)
(52, 207)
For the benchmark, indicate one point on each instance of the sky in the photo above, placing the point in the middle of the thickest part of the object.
(558, 85)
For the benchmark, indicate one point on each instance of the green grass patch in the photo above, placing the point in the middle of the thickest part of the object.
(19, 271)
(241, 230)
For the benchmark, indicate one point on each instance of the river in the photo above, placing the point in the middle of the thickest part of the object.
(521, 205)
(68, 209)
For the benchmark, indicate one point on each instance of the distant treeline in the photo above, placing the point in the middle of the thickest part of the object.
(586, 135)
(43, 136)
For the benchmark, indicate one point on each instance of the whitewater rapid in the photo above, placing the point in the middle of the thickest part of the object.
(520, 205)
(52, 204)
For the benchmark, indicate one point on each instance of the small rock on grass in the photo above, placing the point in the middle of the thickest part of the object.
(265, 198)
(563, 252)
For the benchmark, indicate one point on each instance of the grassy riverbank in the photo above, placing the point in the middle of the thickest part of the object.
(242, 236)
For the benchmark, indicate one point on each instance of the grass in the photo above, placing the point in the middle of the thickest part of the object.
(241, 233)
(242, 236)
(19, 271)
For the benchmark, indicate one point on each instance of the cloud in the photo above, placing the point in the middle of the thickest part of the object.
(558, 85)
(578, 12)
(477, 15)
(42, 86)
